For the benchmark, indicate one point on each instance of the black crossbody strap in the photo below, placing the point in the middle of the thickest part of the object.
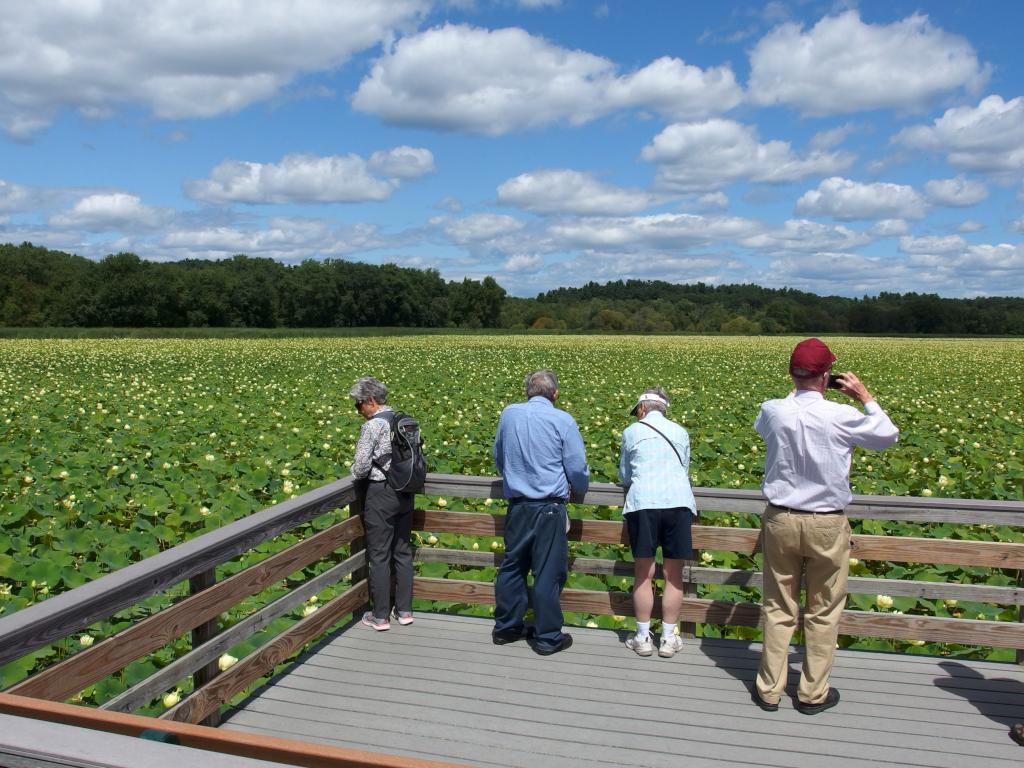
(670, 443)
(389, 417)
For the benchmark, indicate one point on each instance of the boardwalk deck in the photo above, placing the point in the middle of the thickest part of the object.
(439, 689)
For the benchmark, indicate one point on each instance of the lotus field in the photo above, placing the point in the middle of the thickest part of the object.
(113, 450)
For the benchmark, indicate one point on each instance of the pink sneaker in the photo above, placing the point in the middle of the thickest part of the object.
(374, 623)
(404, 617)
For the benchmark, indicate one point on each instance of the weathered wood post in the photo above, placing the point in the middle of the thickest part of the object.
(204, 632)
(688, 628)
(355, 509)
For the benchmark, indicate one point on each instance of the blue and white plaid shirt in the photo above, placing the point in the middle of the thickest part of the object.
(649, 468)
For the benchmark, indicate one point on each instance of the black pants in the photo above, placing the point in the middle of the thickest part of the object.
(387, 521)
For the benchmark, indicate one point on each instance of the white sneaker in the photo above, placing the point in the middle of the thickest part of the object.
(643, 647)
(670, 646)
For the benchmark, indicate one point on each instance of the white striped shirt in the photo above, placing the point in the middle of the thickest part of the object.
(810, 441)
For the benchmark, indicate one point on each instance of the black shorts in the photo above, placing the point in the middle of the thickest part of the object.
(665, 528)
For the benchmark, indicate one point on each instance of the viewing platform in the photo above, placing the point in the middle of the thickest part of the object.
(438, 692)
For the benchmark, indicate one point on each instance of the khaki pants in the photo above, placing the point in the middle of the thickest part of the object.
(819, 546)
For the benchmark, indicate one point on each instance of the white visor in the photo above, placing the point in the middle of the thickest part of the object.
(649, 397)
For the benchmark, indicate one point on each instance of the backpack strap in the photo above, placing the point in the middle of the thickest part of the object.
(389, 417)
(670, 443)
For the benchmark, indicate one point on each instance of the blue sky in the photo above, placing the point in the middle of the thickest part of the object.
(842, 148)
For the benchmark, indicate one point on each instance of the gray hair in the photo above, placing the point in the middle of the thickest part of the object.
(368, 387)
(543, 382)
(654, 405)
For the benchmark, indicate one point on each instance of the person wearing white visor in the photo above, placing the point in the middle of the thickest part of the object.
(654, 467)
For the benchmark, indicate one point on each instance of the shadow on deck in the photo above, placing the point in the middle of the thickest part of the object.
(440, 690)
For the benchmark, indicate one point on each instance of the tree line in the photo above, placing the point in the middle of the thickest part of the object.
(651, 306)
(41, 287)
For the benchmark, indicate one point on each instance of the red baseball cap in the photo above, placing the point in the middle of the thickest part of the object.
(811, 355)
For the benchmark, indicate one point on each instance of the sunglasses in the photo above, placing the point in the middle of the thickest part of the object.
(359, 404)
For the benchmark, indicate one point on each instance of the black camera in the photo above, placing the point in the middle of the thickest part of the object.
(833, 381)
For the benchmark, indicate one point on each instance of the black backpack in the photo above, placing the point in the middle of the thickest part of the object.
(408, 469)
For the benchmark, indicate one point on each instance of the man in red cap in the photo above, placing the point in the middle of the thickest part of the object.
(809, 443)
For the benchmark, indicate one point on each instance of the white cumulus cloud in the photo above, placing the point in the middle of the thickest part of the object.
(955, 193)
(493, 82)
(825, 272)
(665, 230)
(806, 236)
(287, 239)
(713, 201)
(989, 137)
(848, 200)
(402, 162)
(717, 152)
(933, 245)
(522, 262)
(568, 191)
(14, 197)
(312, 179)
(111, 211)
(177, 58)
(890, 228)
(1001, 265)
(482, 227)
(843, 65)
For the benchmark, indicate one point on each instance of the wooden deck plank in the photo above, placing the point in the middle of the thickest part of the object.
(440, 689)
(719, 695)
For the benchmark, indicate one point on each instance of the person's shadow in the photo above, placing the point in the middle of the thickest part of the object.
(1000, 699)
(741, 661)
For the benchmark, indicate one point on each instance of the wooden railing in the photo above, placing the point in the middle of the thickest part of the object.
(962, 552)
(70, 612)
(197, 561)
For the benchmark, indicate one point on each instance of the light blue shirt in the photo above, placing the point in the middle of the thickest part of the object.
(649, 468)
(539, 452)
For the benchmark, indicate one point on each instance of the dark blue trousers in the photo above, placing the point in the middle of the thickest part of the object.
(535, 541)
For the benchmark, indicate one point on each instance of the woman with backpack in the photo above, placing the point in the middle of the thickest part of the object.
(387, 513)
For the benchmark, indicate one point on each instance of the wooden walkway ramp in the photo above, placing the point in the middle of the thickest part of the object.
(439, 689)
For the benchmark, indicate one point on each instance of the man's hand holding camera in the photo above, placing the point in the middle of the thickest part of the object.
(851, 386)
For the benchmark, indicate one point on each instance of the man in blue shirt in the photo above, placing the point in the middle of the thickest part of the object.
(539, 452)
(654, 467)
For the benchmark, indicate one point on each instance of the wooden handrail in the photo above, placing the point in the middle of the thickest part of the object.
(146, 690)
(33, 627)
(740, 500)
(994, 554)
(859, 585)
(243, 744)
(87, 667)
(208, 699)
